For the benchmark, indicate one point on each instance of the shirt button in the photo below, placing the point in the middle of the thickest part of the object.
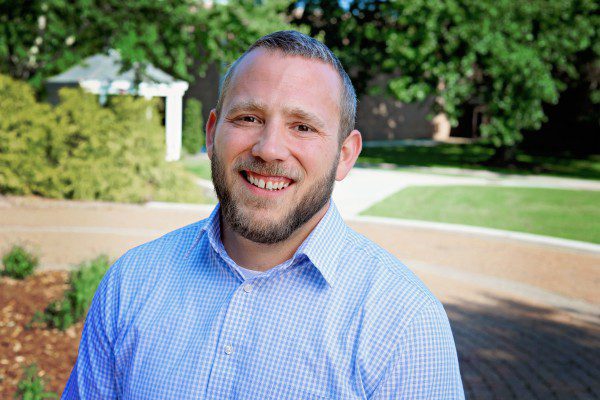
(228, 349)
(247, 288)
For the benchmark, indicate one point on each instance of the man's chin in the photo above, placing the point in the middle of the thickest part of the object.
(251, 205)
(256, 230)
(262, 218)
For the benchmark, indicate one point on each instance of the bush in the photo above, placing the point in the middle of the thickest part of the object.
(193, 127)
(19, 263)
(31, 386)
(83, 283)
(82, 150)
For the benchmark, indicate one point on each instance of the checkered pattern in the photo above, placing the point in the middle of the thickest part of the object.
(342, 319)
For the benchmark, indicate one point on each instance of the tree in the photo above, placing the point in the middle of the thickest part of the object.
(507, 57)
(40, 38)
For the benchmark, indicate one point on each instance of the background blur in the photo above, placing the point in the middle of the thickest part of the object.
(480, 168)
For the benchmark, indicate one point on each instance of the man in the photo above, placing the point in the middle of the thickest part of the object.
(272, 296)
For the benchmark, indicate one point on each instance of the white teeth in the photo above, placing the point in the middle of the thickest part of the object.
(266, 185)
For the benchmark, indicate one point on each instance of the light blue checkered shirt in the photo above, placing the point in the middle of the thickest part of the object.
(342, 319)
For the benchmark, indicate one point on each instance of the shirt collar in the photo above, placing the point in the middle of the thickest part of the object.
(322, 247)
(324, 244)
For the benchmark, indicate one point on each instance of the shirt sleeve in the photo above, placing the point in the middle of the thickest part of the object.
(94, 373)
(425, 365)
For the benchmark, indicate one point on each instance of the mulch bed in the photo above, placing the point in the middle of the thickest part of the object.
(53, 351)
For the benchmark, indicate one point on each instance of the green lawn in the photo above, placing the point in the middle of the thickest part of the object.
(570, 214)
(475, 155)
(198, 167)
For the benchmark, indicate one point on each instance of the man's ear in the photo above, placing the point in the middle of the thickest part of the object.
(348, 154)
(211, 127)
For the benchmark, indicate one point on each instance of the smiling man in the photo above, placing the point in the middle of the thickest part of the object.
(272, 296)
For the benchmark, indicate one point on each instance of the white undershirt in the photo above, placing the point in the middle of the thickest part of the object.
(248, 273)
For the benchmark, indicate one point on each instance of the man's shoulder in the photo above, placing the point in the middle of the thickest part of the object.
(170, 242)
(383, 275)
(390, 302)
(165, 251)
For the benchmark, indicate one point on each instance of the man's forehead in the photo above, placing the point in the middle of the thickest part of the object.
(309, 81)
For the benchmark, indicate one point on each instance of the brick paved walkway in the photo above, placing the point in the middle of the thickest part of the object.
(514, 350)
(535, 339)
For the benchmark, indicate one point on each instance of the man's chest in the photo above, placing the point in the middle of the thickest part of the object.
(264, 340)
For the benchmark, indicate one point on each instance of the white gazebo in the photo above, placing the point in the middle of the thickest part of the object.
(101, 74)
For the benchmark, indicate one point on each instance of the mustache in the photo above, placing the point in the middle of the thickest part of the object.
(261, 167)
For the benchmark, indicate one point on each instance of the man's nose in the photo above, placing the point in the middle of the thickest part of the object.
(272, 144)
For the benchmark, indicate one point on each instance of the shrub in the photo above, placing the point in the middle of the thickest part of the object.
(193, 134)
(82, 150)
(73, 307)
(26, 157)
(31, 386)
(19, 263)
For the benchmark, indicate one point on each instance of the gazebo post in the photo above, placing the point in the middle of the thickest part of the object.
(173, 126)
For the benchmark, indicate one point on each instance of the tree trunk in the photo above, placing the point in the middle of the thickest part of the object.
(503, 156)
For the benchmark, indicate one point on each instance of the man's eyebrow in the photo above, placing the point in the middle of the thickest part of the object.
(245, 105)
(305, 116)
(296, 112)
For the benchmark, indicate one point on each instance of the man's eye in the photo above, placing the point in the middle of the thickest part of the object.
(248, 118)
(304, 128)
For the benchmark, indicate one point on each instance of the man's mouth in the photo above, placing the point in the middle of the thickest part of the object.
(266, 182)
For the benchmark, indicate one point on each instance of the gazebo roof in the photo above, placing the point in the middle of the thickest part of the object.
(107, 67)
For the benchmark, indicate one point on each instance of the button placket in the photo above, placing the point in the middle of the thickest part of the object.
(240, 312)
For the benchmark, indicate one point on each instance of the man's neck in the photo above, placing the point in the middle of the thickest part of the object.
(260, 256)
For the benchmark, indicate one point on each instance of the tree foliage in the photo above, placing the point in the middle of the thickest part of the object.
(40, 38)
(508, 57)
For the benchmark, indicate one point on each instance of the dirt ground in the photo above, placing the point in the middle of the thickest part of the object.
(52, 350)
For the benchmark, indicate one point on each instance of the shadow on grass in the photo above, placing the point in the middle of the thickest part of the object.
(514, 350)
(477, 156)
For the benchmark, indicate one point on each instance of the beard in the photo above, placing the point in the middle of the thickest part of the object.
(266, 231)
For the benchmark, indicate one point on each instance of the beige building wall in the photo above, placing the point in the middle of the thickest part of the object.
(378, 118)
(383, 118)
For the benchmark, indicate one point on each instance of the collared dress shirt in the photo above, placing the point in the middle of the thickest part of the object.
(341, 319)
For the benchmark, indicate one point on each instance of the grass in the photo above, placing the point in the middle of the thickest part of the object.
(475, 155)
(198, 166)
(569, 214)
